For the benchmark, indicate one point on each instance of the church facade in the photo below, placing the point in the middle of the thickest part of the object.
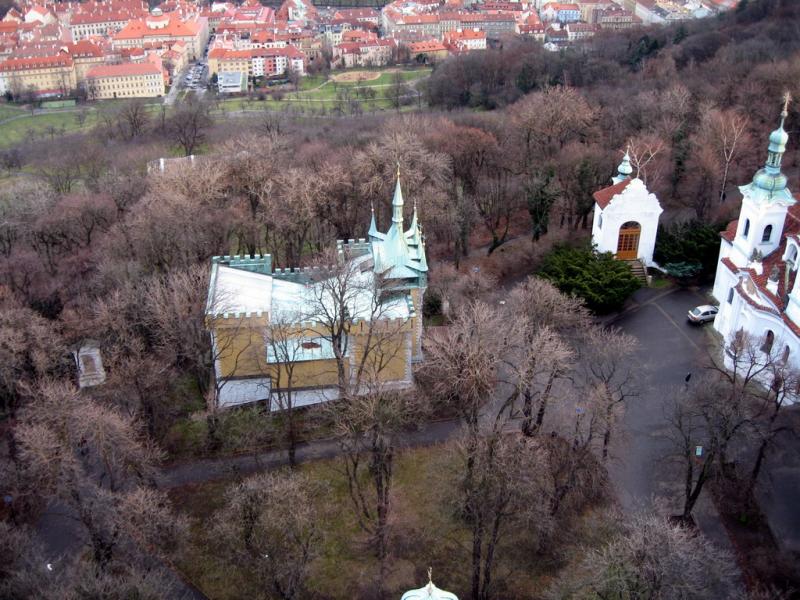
(756, 282)
(626, 217)
(275, 330)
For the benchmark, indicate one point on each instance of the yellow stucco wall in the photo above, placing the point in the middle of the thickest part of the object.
(242, 352)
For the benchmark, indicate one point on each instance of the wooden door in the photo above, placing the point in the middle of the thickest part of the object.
(628, 241)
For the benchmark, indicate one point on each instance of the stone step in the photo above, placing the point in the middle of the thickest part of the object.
(638, 270)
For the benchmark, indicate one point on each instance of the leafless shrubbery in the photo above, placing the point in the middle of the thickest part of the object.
(271, 527)
(652, 558)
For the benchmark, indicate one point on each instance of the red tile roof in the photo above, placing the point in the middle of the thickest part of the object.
(730, 231)
(603, 197)
(39, 62)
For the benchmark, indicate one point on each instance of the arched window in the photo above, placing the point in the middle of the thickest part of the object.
(769, 339)
(600, 222)
(746, 230)
(767, 234)
(785, 356)
(730, 296)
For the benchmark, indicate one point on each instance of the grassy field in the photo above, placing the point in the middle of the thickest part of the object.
(7, 111)
(43, 125)
(317, 94)
(425, 533)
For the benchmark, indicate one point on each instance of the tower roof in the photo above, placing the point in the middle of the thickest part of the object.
(769, 183)
(624, 169)
(398, 253)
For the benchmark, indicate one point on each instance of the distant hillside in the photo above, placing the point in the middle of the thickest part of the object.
(719, 58)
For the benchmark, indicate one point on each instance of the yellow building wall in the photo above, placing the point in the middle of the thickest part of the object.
(133, 86)
(242, 352)
(51, 78)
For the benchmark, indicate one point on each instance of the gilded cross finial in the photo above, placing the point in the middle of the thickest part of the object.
(398, 169)
(430, 575)
(787, 97)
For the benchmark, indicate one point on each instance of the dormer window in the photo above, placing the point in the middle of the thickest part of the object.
(746, 230)
(767, 234)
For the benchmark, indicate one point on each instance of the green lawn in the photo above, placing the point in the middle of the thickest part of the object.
(312, 98)
(7, 111)
(43, 125)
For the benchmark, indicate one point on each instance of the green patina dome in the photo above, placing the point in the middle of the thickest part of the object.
(769, 183)
(778, 139)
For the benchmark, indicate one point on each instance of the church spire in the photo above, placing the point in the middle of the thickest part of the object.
(769, 183)
(778, 139)
(397, 203)
(624, 169)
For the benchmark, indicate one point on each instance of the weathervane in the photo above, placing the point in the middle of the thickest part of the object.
(787, 97)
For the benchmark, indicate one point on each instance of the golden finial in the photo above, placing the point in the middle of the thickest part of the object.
(787, 97)
(430, 575)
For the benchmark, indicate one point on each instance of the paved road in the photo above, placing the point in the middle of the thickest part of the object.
(669, 348)
(778, 491)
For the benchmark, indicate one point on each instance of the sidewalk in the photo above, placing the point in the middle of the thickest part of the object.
(212, 469)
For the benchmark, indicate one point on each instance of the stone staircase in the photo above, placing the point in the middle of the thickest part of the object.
(639, 270)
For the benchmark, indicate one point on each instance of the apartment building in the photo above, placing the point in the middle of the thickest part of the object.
(126, 80)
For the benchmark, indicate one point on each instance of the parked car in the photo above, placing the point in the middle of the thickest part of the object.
(703, 314)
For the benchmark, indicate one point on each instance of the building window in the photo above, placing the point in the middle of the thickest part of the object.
(785, 356)
(769, 339)
(767, 234)
(730, 296)
(746, 229)
(600, 222)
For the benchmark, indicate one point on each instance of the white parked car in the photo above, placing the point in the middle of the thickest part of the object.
(703, 314)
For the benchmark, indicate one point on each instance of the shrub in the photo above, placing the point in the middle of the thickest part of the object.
(692, 243)
(684, 272)
(604, 283)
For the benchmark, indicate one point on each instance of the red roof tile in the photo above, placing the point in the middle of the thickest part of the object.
(603, 197)
(730, 231)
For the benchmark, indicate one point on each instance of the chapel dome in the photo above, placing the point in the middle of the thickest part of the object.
(778, 140)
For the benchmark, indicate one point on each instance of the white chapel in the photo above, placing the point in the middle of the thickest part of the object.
(626, 217)
(756, 282)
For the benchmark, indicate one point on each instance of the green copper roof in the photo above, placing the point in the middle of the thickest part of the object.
(399, 254)
(624, 169)
(769, 183)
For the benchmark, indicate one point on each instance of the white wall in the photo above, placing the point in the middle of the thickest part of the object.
(636, 204)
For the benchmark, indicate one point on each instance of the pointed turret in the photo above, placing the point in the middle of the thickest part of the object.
(373, 232)
(769, 183)
(624, 169)
(397, 202)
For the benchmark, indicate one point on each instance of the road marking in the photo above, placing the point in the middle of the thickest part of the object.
(678, 327)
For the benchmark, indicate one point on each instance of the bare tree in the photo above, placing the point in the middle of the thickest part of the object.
(507, 488)
(285, 350)
(188, 124)
(609, 375)
(92, 458)
(132, 119)
(270, 525)
(690, 449)
(397, 90)
(644, 150)
(368, 428)
(353, 309)
(725, 132)
(652, 558)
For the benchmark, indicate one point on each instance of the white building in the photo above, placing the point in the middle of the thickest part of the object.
(626, 217)
(756, 282)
